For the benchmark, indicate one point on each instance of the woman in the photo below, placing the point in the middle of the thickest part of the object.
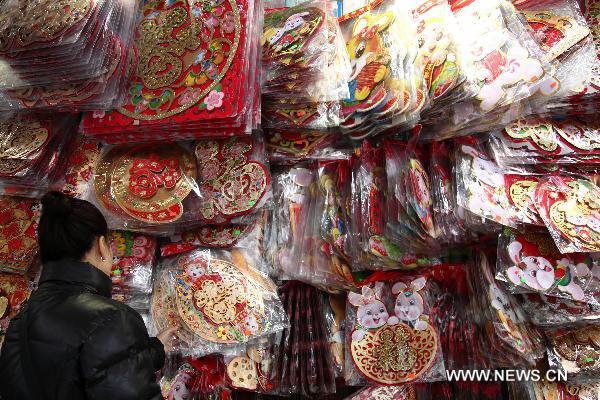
(73, 341)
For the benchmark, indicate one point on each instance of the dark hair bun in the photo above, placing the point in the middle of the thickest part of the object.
(57, 204)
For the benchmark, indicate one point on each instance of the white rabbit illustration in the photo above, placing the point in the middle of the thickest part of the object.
(371, 313)
(293, 22)
(409, 303)
(536, 272)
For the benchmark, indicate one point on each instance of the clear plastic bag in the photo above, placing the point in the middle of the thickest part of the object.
(211, 85)
(30, 149)
(386, 88)
(72, 56)
(18, 237)
(134, 259)
(297, 247)
(448, 221)
(506, 338)
(252, 369)
(393, 347)
(549, 311)
(194, 379)
(384, 392)
(372, 249)
(334, 309)
(570, 208)
(575, 352)
(528, 261)
(233, 178)
(481, 188)
(302, 363)
(217, 299)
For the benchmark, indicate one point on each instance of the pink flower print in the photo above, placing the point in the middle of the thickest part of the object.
(189, 96)
(98, 114)
(228, 22)
(211, 22)
(214, 100)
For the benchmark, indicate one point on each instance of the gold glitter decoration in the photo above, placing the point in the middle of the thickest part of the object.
(40, 21)
(169, 44)
(174, 163)
(539, 132)
(395, 354)
(580, 205)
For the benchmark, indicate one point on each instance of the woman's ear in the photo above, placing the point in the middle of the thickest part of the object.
(105, 253)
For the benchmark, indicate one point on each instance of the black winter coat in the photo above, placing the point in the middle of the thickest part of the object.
(82, 344)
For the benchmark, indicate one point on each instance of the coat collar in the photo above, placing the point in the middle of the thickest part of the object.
(77, 272)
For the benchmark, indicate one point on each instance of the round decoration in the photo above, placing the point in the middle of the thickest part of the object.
(102, 178)
(40, 21)
(22, 140)
(164, 310)
(242, 373)
(220, 302)
(146, 182)
(195, 43)
(395, 354)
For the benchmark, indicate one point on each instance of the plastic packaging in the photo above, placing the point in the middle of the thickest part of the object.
(386, 88)
(302, 361)
(372, 249)
(575, 352)
(210, 89)
(233, 178)
(393, 347)
(141, 186)
(72, 57)
(30, 148)
(194, 379)
(252, 370)
(384, 392)
(219, 301)
(334, 309)
(570, 208)
(529, 261)
(549, 311)
(301, 246)
(18, 237)
(134, 258)
(14, 292)
(448, 219)
(506, 338)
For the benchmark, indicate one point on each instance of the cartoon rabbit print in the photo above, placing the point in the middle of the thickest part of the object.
(409, 304)
(371, 313)
(535, 272)
(283, 35)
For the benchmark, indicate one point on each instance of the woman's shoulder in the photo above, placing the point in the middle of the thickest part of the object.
(99, 309)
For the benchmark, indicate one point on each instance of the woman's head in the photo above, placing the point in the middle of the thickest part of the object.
(73, 229)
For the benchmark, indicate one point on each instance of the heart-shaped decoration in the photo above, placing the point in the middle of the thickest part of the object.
(396, 354)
